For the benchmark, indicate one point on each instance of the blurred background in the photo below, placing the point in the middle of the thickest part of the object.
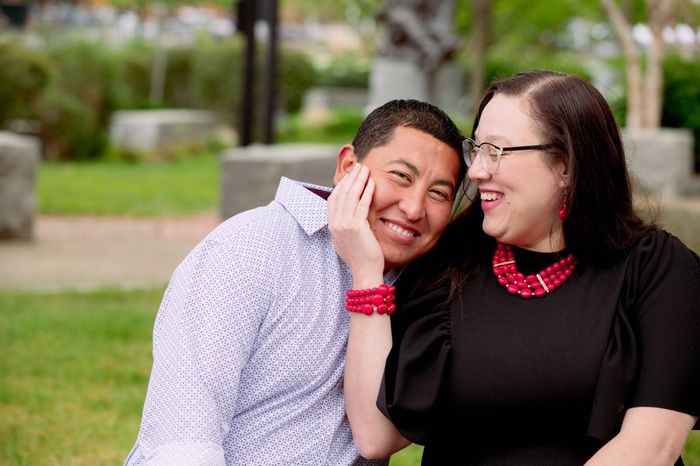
(131, 128)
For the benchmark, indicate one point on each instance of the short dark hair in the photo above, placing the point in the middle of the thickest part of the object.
(378, 127)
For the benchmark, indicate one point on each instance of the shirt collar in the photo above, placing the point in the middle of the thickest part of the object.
(308, 208)
(390, 276)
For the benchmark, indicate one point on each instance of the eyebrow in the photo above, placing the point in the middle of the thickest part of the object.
(500, 140)
(416, 172)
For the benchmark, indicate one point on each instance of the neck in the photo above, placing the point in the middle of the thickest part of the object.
(552, 243)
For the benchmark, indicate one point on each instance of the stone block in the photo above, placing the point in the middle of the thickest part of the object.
(447, 92)
(250, 175)
(148, 130)
(660, 160)
(319, 102)
(19, 160)
(385, 86)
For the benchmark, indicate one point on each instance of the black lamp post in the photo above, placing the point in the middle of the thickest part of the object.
(249, 12)
(16, 12)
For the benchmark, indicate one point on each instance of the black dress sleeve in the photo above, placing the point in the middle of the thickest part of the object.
(653, 356)
(416, 365)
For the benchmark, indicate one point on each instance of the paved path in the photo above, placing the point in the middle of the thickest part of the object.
(94, 252)
(87, 252)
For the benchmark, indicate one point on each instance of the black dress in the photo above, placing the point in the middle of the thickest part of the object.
(494, 379)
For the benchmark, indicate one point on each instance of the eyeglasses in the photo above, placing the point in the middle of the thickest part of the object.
(491, 154)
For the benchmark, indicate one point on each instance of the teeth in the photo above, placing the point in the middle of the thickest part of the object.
(490, 196)
(399, 230)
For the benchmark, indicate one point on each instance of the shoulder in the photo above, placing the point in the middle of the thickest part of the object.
(263, 228)
(248, 242)
(659, 248)
(661, 272)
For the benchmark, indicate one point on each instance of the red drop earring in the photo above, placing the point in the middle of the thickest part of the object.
(563, 211)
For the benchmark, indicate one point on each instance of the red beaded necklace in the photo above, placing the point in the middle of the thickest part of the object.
(539, 284)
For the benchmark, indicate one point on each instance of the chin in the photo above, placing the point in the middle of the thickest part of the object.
(390, 264)
(490, 231)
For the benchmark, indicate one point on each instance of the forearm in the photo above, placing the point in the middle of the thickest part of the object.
(649, 436)
(370, 336)
(368, 346)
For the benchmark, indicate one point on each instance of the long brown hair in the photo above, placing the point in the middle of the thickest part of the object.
(575, 119)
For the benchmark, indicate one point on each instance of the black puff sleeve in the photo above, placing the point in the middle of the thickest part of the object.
(416, 365)
(653, 357)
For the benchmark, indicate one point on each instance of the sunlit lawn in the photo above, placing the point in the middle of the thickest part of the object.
(119, 188)
(186, 185)
(73, 374)
(409, 456)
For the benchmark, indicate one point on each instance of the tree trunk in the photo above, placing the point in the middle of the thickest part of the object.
(481, 27)
(659, 13)
(653, 85)
(633, 66)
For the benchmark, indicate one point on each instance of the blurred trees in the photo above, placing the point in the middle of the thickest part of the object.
(70, 88)
(598, 39)
(481, 31)
(352, 11)
(24, 74)
(644, 71)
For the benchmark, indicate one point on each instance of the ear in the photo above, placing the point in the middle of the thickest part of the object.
(346, 161)
(564, 175)
(564, 181)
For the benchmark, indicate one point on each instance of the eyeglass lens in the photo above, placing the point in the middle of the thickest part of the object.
(489, 153)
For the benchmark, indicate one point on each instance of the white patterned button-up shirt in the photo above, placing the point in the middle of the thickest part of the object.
(249, 345)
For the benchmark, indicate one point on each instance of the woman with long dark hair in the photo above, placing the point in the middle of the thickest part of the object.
(551, 325)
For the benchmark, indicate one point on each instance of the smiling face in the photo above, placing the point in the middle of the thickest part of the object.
(416, 180)
(522, 199)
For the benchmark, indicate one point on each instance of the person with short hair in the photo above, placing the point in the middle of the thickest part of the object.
(250, 338)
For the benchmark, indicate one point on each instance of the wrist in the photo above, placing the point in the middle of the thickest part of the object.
(379, 299)
(367, 281)
(367, 274)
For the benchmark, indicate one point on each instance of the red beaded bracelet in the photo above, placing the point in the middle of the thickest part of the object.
(380, 299)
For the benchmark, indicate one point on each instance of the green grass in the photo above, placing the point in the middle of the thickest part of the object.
(73, 377)
(409, 456)
(339, 128)
(184, 186)
(691, 454)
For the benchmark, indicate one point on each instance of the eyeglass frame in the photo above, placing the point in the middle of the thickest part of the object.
(499, 152)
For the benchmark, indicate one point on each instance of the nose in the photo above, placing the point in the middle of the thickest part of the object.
(477, 170)
(412, 204)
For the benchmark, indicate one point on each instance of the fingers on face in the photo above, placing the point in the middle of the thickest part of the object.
(366, 198)
(359, 175)
(353, 194)
(354, 181)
